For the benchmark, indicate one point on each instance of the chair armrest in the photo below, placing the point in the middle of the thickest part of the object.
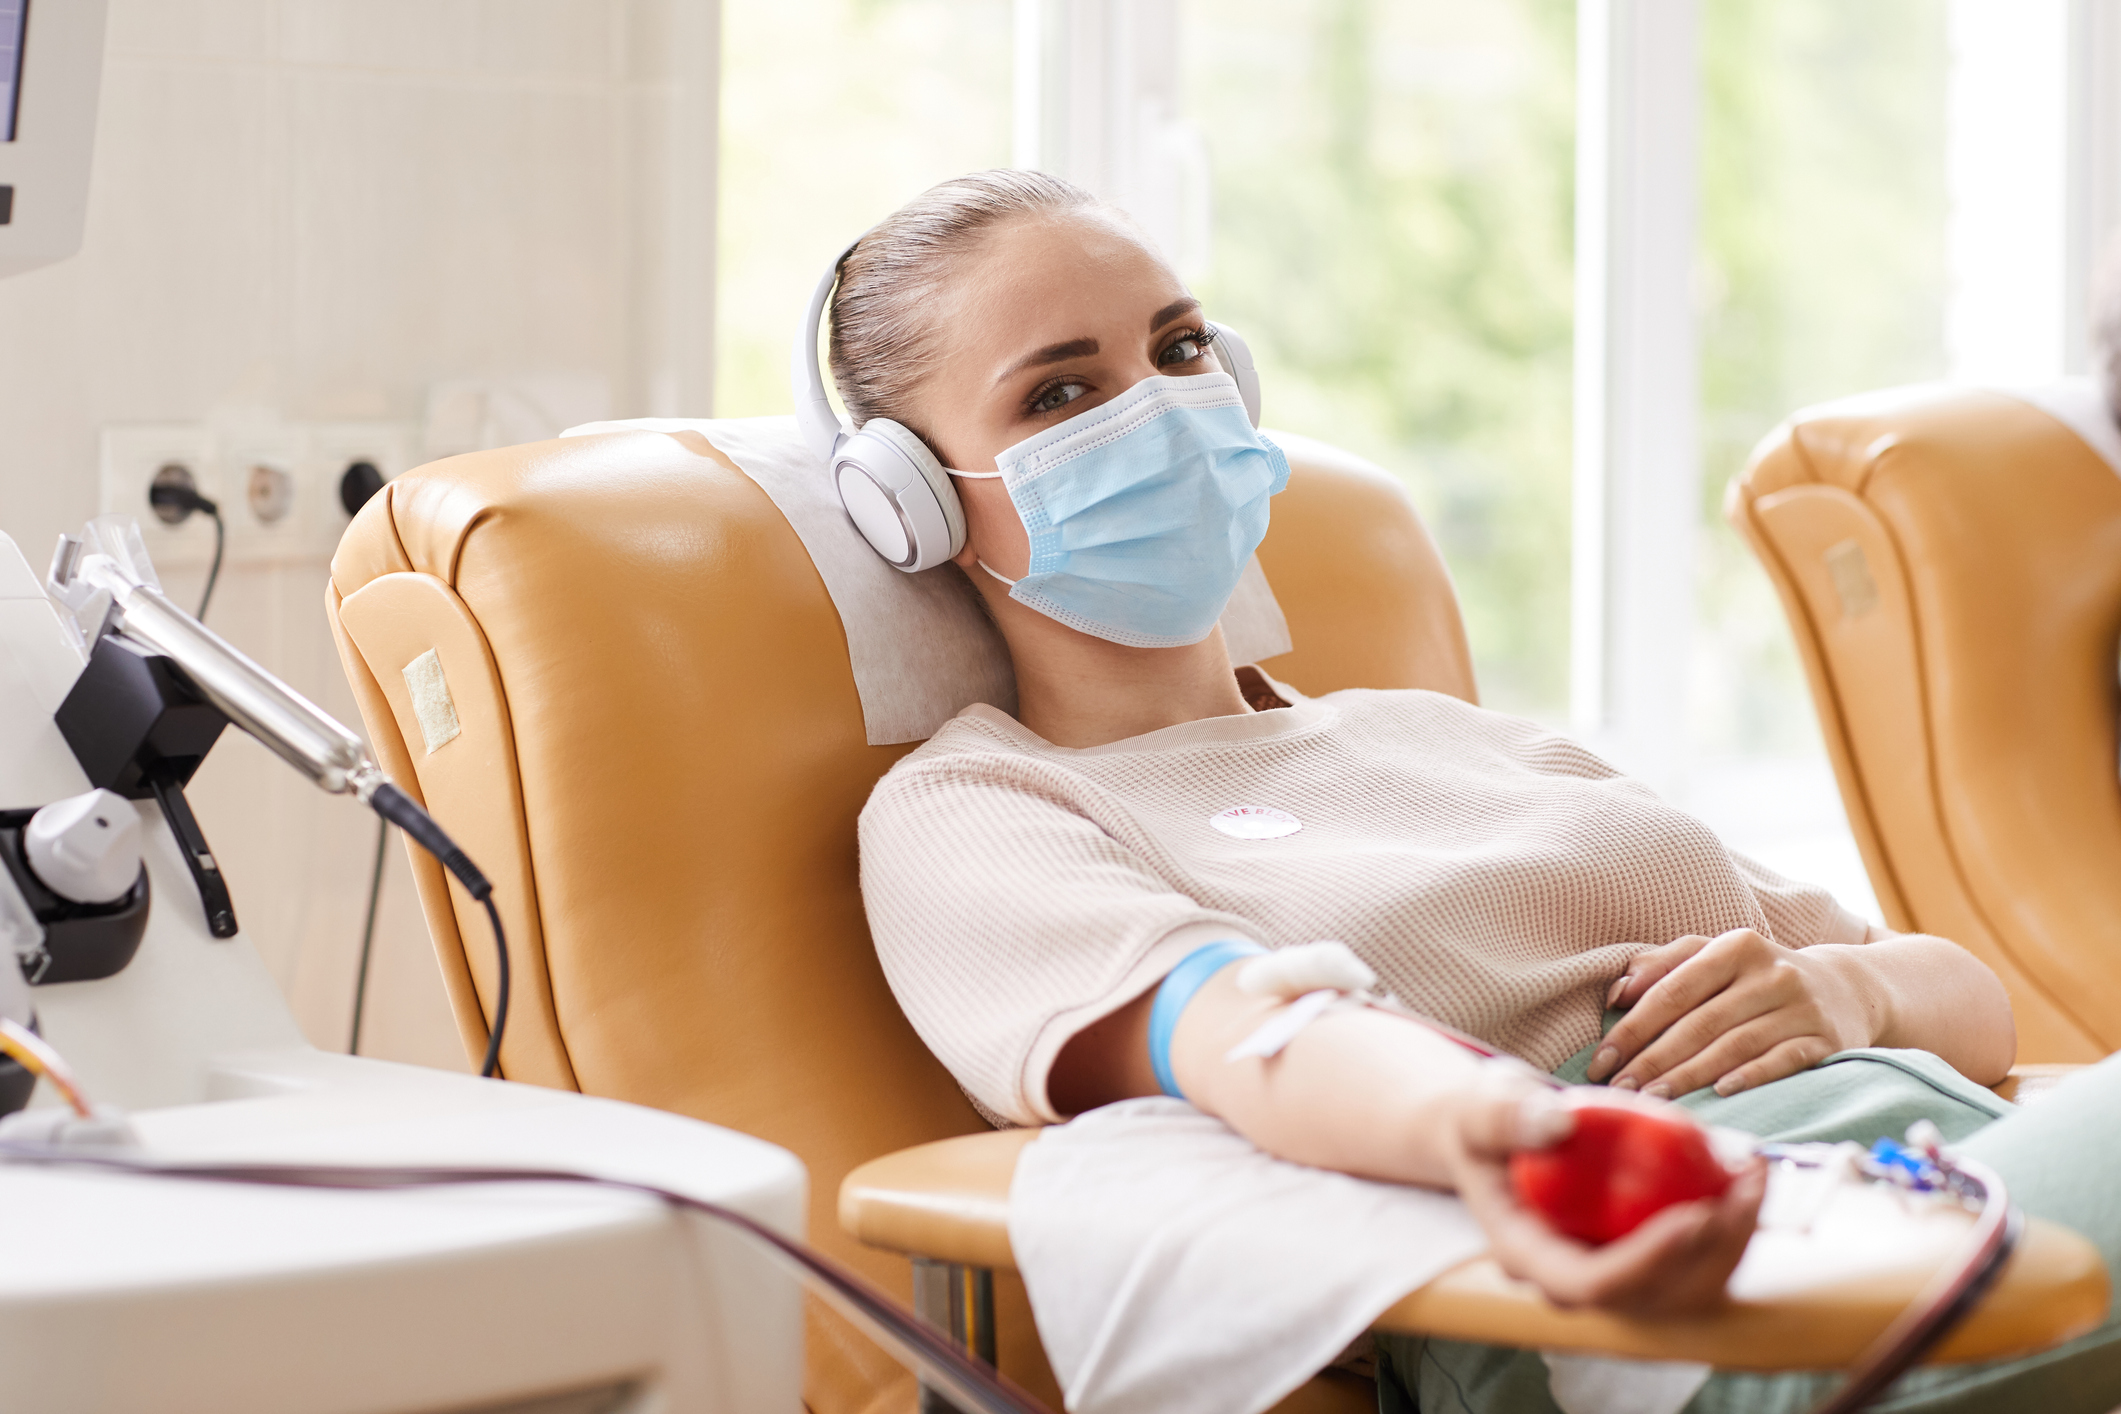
(2054, 1289)
(949, 1202)
(2027, 1083)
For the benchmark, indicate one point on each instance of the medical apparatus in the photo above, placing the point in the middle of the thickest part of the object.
(51, 70)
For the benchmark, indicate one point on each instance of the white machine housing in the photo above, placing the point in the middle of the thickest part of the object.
(46, 166)
(122, 1293)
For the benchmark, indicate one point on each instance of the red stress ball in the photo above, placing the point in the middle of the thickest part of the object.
(1618, 1166)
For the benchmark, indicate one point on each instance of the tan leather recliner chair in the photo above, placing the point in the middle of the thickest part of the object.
(1950, 562)
(660, 762)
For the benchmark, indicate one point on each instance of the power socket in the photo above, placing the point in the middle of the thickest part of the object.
(130, 459)
(391, 448)
(277, 483)
(267, 505)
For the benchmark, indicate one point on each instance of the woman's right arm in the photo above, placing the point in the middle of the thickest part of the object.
(1370, 1093)
(998, 910)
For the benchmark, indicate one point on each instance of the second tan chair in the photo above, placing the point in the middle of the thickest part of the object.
(1950, 564)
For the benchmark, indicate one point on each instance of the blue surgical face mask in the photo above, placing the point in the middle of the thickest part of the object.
(1142, 511)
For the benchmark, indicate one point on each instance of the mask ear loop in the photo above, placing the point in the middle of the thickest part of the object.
(983, 476)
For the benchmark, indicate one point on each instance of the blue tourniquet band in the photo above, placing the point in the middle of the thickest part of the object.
(1177, 989)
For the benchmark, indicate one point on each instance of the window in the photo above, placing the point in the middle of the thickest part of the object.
(1823, 270)
(835, 113)
(1391, 230)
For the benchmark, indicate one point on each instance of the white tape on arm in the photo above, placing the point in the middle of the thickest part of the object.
(1280, 1029)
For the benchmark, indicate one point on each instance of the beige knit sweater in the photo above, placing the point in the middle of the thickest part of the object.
(1497, 876)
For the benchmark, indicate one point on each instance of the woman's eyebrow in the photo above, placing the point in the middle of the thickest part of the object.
(1171, 311)
(1051, 353)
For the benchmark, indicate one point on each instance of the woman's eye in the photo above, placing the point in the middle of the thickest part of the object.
(1057, 396)
(1185, 349)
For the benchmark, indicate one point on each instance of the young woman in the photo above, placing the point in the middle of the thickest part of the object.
(1033, 882)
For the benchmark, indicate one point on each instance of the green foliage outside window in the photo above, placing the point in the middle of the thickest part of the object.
(1822, 273)
(1393, 228)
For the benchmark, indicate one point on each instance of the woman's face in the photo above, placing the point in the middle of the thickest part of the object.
(1050, 317)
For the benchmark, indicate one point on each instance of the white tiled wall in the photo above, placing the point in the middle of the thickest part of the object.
(320, 210)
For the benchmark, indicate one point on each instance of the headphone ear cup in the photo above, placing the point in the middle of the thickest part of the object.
(899, 496)
(1235, 356)
(940, 488)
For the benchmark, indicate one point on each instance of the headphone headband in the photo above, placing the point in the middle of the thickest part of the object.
(821, 426)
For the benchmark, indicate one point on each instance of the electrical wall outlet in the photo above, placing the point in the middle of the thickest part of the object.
(265, 495)
(130, 458)
(277, 483)
(391, 448)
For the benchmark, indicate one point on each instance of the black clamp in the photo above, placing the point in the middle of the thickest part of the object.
(140, 727)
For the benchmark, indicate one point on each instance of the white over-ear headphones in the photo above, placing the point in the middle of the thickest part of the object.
(895, 491)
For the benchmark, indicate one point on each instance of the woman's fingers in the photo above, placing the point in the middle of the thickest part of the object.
(1647, 969)
(1677, 1261)
(1785, 1058)
(1737, 1018)
(1691, 1056)
(1747, 1019)
(1686, 1253)
(1513, 1114)
(1701, 975)
(1741, 1012)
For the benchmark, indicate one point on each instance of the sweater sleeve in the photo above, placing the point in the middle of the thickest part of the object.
(1799, 915)
(1007, 920)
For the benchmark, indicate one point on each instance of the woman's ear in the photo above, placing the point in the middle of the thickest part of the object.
(994, 532)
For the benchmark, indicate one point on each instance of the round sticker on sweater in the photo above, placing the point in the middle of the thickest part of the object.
(1256, 822)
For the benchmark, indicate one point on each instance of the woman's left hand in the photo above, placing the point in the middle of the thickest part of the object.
(1735, 1012)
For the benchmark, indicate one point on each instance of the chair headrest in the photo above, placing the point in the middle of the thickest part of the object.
(922, 646)
(2078, 404)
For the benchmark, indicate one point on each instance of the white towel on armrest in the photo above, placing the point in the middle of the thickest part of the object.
(1175, 1268)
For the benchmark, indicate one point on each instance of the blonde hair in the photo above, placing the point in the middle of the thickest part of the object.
(882, 344)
